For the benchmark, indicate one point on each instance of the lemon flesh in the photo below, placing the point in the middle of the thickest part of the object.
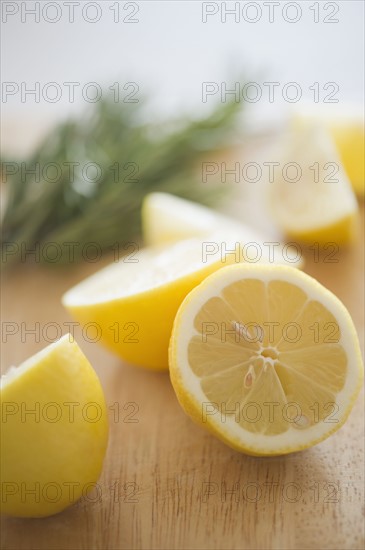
(54, 431)
(266, 358)
(312, 199)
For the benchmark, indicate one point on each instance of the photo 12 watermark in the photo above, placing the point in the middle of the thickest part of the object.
(83, 175)
(91, 332)
(51, 492)
(69, 92)
(270, 92)
(270, 412)
(270, 172)
(68, 411)
(270, 12)
(270, 252)
(270, 492)
(119, 12)
(68, 252)
(270, 332)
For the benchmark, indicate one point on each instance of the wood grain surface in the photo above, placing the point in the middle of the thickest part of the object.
(166, 483)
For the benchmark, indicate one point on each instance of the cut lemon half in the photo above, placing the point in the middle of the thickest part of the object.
(311, 198)
(54, 431)
(265, 358)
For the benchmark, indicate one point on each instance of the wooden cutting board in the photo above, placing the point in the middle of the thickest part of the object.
(167, 484)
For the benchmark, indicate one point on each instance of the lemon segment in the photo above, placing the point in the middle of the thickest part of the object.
(54, 431)
(265, 358)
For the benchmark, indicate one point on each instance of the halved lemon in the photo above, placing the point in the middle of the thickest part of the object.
(311, 198)
(266, 358)
(54, 431)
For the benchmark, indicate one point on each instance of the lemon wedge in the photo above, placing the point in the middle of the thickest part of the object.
(133, 302)
(167, 219)
(54, 431)
(350, 142)
(311, 198)
(347, 129)
(265, 358)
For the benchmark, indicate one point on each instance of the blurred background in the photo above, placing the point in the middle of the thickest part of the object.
(168, 50)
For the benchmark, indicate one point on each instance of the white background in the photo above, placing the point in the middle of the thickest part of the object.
(170, 52)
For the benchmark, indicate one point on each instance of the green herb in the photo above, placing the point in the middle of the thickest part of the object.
(93, 174)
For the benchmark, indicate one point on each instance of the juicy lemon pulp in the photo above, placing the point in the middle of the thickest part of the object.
(266, 358)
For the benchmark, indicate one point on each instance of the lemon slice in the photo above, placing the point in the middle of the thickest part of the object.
(311, 197)
(54, 431)
(133, 302)
(266, 358)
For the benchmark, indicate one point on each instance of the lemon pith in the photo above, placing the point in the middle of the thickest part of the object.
(239, 368)
(54, 431)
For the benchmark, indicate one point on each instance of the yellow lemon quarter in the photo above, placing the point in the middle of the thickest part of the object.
(54, 431)
(350, 142)
(311, 198)
(134, 301)
(345, 124)
(265, 358)
(167, 218)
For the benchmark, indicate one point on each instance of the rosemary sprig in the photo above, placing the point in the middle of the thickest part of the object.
(91, 176)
